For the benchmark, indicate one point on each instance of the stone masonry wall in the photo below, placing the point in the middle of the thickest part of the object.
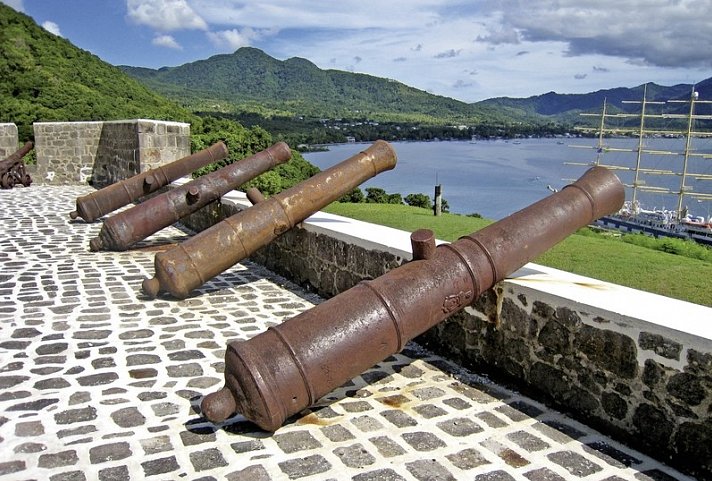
(8, 140)
(649, 385)
(66, 151)
(105, 152)
(161, 142)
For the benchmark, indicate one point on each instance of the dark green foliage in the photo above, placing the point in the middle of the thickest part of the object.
(264, 85)
(394, 199)
(243, 143)
(355, 196)
(376, 195)
(419, 200)
(45, 78)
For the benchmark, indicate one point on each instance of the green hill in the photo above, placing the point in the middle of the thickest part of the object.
(251, 78)
(567, 107)
(44, 77)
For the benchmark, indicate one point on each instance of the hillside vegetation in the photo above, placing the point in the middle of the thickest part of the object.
(44, 77)
(249, 80)
(301, 103)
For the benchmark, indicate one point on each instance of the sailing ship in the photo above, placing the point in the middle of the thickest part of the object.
(668, 123)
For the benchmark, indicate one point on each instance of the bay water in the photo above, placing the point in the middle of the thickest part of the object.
(495, 178)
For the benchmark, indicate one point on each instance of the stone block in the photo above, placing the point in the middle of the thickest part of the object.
(687, 388)
(610, 350)
(662, 346)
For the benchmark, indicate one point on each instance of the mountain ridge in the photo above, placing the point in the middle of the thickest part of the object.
(297, 86)
(249, 75)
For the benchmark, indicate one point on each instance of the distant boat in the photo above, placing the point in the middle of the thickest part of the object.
(633, 217)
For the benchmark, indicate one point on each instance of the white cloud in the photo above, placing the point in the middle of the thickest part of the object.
(166, 41)
(165, 15)
(667, 33)
(15, 4)
(344, 14)
(52, 28)
(232, 39)
(515, 48)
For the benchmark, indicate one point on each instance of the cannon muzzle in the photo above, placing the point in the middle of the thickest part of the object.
(289, 367)
(212, 251)
(122, 230)
(104, 201)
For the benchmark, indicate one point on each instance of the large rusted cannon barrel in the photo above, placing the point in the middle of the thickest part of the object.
(104, 201)
(140, 221)
(212, 251)
(288, 367)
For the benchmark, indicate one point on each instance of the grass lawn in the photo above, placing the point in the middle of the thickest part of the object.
(600, 257)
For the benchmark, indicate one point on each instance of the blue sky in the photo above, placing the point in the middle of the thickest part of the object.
(465, 49)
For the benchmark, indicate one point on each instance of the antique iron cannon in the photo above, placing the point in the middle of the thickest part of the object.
(140, 221)
(104, 201)
(190, 264)
(289, 367)
(12, 169)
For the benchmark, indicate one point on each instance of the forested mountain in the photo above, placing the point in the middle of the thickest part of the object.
(44, 77)
(251, 79)
(567, 107)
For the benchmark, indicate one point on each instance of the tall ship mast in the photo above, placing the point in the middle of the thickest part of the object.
(658, 120)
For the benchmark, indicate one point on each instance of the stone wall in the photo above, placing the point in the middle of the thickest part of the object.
(649, 384)
(636, 365)
(105, 152)
(8, 140)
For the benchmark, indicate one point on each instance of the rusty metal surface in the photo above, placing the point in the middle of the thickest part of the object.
(104, 201)
(12, 169)
(122, 230)
(287, 368)
(191, 264)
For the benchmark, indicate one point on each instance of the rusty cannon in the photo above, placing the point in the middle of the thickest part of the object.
(104, 201)
(140, 221)
(12, 169)
(212, 251)
(288, 367)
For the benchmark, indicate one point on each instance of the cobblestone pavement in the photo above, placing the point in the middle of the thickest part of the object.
(98, 382)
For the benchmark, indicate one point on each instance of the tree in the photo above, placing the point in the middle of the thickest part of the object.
(394, 199)
(354, 197)
(418, 200)
(376, 195)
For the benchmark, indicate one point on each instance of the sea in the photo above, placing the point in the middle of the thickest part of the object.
(495, 178)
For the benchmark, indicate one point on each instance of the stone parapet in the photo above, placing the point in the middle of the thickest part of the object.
(105, 152)
(9, 142)
(631, 363)
(635, 364)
